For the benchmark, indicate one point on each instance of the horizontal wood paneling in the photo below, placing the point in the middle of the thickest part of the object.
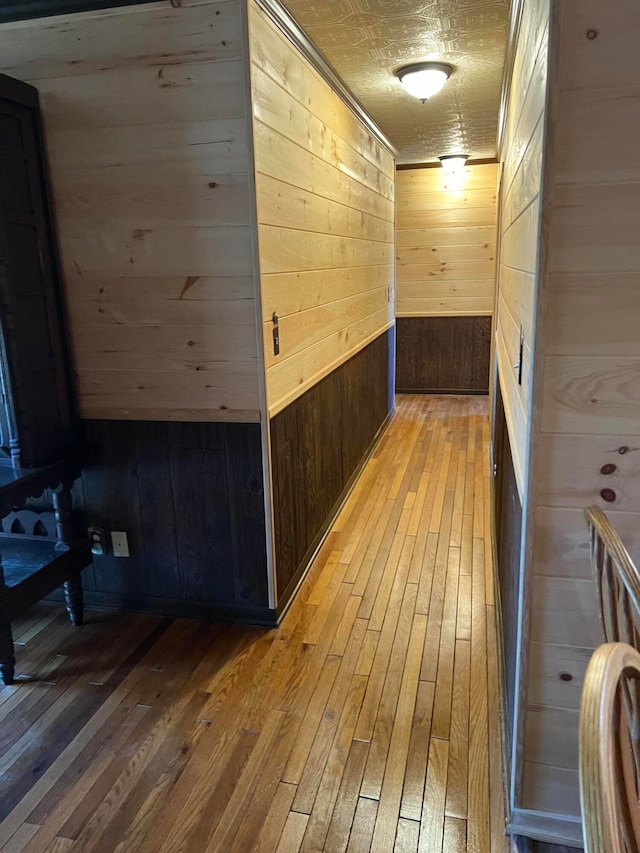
(190, 498)
(87, 50)
(317, 443)
(294, 376)
(544, 786)
(557, 744)
(448, 218)
(146, 395)
(410, 181)
(550, 664)
(295, 292)
(531, 606)
(591, 364)
(591, 395)
(433, 272)
(560, 606)
(579, 320)
(519, 221)
(144, 109)
(325, 201)
(446, 237)
(282, 62)
(448, 198)
(561, 544)
(572, 472)
(430, 237)
(443, 355)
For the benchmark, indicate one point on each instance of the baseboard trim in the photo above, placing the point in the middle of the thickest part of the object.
(289, 595)
(547, 827)
(445, 392)
(262, 617)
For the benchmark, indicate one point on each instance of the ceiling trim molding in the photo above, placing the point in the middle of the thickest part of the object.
(287, 24)
(480, 161)
(515, 20)
(24, 10)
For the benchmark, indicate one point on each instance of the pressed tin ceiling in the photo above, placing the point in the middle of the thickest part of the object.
(366, 40)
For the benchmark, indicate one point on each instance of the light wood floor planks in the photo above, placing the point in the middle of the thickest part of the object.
(368, 721)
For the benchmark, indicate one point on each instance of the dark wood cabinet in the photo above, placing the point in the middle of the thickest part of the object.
(37, 420)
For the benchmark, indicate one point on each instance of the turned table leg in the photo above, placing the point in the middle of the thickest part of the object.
(73, 599)
(67, 535)
(7, 660)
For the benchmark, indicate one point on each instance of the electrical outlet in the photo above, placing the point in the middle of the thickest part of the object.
(98, 539)
(119, 543)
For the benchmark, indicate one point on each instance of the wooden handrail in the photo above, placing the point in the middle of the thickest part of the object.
(609, 736)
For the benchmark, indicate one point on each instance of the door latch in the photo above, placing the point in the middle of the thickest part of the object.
(276, 334)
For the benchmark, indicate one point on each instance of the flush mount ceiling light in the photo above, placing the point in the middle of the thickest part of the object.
(453, 162)
(424, 79)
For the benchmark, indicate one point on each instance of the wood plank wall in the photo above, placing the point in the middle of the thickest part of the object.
(519, 224)
(190, 497)
(443, 355)
(508, 537)
(591, 392)
(446, 241)
(144, 111)
(325, 198)
(318, 445)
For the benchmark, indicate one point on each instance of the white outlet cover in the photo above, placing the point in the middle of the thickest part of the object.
(119, 543)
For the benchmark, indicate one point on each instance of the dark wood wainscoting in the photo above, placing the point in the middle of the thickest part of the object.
(508, 521)
(318, 444)
(190, 498)
(443, 355)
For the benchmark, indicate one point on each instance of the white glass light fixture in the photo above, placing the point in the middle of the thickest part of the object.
(453, 162)
(424, 79)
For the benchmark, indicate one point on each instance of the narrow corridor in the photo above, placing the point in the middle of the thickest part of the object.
(367, 721)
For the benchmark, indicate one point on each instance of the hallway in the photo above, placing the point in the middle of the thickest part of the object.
(368, 721)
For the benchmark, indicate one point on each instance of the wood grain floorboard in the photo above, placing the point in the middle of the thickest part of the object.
(368, 721)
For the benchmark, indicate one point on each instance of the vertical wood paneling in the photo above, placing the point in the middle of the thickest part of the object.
(317, 444)
(443, 355)
(144, 111)
(190, 497)
(446, 266)
(325, 202)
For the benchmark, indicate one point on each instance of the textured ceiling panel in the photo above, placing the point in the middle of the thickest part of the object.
(366, 40)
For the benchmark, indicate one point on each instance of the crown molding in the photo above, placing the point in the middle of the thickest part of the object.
(287, 24)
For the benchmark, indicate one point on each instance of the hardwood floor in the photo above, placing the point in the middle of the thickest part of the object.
(367, 721)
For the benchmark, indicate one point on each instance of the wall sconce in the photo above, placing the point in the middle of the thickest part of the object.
(424, 79)
(453, 163)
